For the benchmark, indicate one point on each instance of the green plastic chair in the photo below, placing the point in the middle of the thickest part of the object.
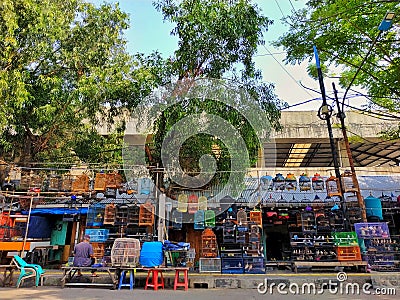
(28, 270)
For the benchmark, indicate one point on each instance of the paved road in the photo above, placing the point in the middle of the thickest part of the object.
(56, 293)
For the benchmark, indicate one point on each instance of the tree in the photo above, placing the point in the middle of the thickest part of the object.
(216, 39)
(63, 69)
(344, 32)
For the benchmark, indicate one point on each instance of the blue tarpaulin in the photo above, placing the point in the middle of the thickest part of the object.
(56, 211)
(151, 254)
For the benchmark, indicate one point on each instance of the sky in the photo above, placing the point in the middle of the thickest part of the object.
(148, 32)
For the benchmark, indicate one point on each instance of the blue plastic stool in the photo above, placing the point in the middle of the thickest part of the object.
(131, 283)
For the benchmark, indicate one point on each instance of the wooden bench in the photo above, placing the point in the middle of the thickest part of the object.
(69, 273)
(310, 264)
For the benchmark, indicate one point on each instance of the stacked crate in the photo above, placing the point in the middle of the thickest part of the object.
(347, 248)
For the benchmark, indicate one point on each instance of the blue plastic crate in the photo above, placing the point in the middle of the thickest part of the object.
(372, 230)
(97, 235)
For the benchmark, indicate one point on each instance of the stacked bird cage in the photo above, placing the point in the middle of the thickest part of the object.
(125, 252)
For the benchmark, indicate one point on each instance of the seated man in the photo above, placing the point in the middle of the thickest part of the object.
(83, 255)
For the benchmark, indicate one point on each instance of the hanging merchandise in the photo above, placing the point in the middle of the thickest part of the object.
(304, 182)
(177, 219)
(199, 220)
(54, 183)
(121, 215)
(145, 186)
(256, 217)
(279, 182)
(193, 204)
(333, 187)
(146, 214)
(100, 182)
(266, 183)
(308, 224)
(347, 182)
(113, 180)
(290, 182)
(109, 214)
(209, 217)
(209, 244)
(133, 214)
(202, 203)
(318, 182)
(182, 202)
(81, 184)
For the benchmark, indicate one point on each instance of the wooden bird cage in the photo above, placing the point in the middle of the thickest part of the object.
(193, 204)
(133, 214)
(54, 183)
(81, 184)
(209, 247)
(100, 182)
(333, 186)
(146, 214)
(109, 214)
(241, 217)
(66, 182)
(348, 182)
(113, 180)
(256, 217)
(121, 215)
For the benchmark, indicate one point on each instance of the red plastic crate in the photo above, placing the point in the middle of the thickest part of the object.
(349, 253)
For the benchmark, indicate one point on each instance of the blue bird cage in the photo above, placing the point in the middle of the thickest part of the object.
(95, 215)
(199, 220)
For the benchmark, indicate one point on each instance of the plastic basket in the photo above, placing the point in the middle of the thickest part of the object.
(97, 235)
(125, 252)
(352, 253)
(345, 239)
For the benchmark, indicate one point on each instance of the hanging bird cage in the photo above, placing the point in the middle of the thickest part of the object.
(81, 184)
(109, 214)
(133, 214)
(202, 203)
(348, 182)
(209, 247)
(256, 217)
(95, 215)
(241, 217)
(146, 214)
(333, 186)
(54, 183)
(254, 234)
(182, 202)
(266, 183)
(100, 182)
(66, 183)
(209, 218)
(121, 215)
(113, 180)
(193, 204)
(279, 182)
(304, 182)
(199, 217)
(177, 219)
(290, 182)
(318, 182)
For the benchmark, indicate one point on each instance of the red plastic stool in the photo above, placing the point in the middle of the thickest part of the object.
(152, 279)
(185, 282)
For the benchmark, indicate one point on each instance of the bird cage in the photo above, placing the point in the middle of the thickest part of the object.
(199, 220)
(290, 182)
(279, 182)
(66, 182)
(54, 183)
(182, 202)
(109, 214)
(202, 203)
(317, 182)
(100, 182)
(209, 244)
(308, 222)
(125, 252)
(256, 217)
(254, 234)
(95, 215)
(209, 218)
(241, 217)
(113, 180)
(133, 215)
(146, 214)
(265, 182)
(177, 219)
(193, 204)
(348, 182)
(121, 215)
(81, 184)
(333, 186)
(304, 182)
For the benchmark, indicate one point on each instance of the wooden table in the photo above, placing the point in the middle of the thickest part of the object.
(8, 272)
(310, 264)
(69, 278)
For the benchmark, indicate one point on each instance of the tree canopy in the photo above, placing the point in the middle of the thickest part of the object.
(345, 34)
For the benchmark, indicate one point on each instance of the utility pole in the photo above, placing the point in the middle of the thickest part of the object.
(341, 116)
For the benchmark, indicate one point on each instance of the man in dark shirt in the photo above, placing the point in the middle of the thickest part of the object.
(83, 255)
